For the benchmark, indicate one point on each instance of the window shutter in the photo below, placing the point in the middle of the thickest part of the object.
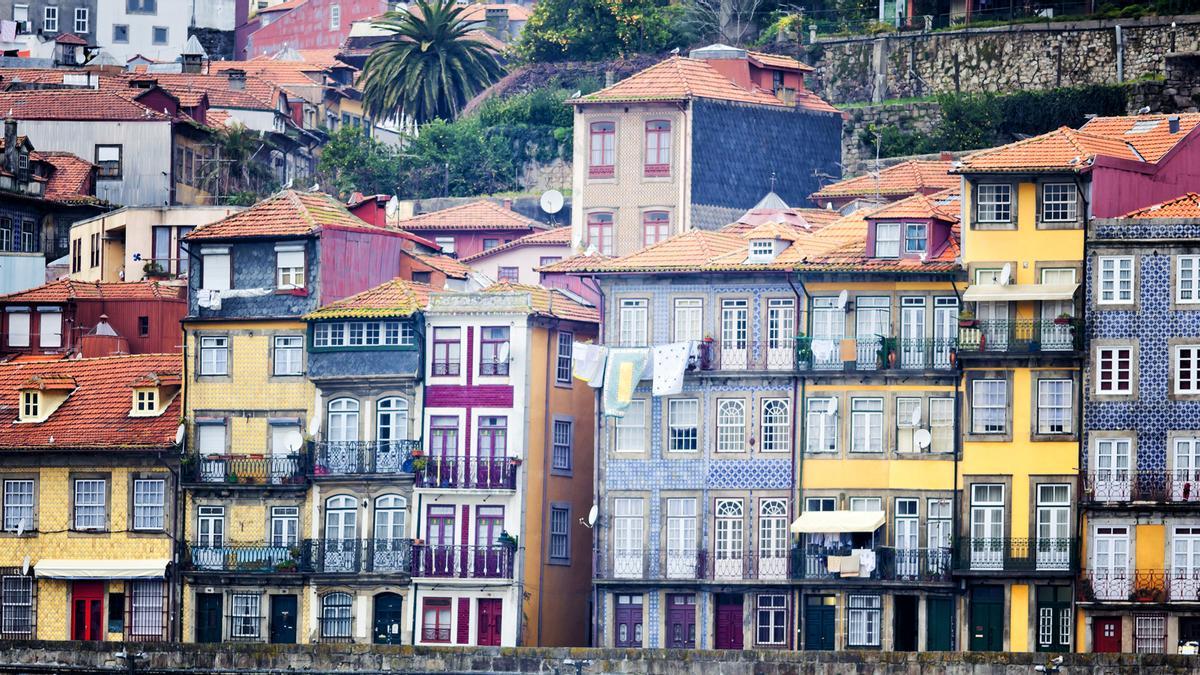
(50, 329)
(464, 621)
(18, 329)
(216, 272)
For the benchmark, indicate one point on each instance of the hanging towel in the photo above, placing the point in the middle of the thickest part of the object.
(823, 351)
(849, 566)
(8, 31)
(670, 362)
(589, 362)
(833, 563)
(622, 372)
(866, 558)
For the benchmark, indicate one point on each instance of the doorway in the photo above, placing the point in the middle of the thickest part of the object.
(489, 622)
(389, 616)
(87, 610)
(820, 622)
(729, 621)
(681, 621)
(939, 624)
(1106, 635)
(906, 621)
(987, 619)
(282, 626)
(208, 617)
(1054, 618)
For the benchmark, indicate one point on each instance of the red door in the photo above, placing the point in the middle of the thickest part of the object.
(87, 610)
(681, 621)
(729, 621)
(489, 622)
(439, 554)
(1106, 635)
(493, 441)
(490, 559)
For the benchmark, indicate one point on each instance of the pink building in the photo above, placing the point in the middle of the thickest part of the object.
(303, 24)
(468, 229)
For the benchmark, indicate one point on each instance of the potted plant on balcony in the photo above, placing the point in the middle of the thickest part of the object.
(1063, 319)
(966, 319)
(286, 566)
(804, 352)
(887, 352)
(419, 463)
(231, 478)
(153, 270)
(1146, 594)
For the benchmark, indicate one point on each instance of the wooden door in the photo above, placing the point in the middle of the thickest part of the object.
(488, 624)
(389, 615)
(208, 617)
(939, 623)
(987, 619)
(87, 610)
(282, 627)
(729, 621)
(629, 621)
(1106, 635)
(820, 615)
(681, 621)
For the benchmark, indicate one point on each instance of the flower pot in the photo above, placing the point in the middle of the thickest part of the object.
(1062, 322)
(967, 323)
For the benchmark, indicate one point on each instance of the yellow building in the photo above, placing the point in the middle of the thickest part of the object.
(90, 498)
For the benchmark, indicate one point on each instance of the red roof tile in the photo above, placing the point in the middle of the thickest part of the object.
(96, 413)
(480, 215)
(943, 206)
(76, 105)
(1149, 134)
(559, 236)
(1186, 206)
(72, 177)
(285, 6)
(550, 302)
(397, 297)
(66, 290)
(70, 39)
(901, 179)
(285, 214)
(1063, 149)
(451, 267)
(678, 79)
(778, 61)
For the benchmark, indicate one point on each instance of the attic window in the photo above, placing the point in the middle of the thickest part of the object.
(145, 401)
(887, 240)
(916, 236)
(762, 250)
(31, 405)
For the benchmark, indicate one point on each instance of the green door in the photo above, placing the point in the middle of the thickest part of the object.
(987, 619)
(820, 616)
(1054, 618)
(939, 624)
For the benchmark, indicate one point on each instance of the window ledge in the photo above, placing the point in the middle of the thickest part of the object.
(300, 292)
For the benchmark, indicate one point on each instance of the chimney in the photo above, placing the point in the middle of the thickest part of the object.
(237, 79)
(1173, 124)
(10, 145)
(945, 156)
(610, 78)
(508, 204)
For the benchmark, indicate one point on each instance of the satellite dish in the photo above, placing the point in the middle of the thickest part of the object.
(393, 205)
(843, 298)
(916, 417)
(923, 438)
(179, 433)
(314, 425)
(551, 201)
(1005, 274)
(593, 514)
(25, 563)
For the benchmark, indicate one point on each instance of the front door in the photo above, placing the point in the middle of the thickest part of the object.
(1054, 618)
(87, 610)
(389, 615)
(629, 621)
(912, 333)
(1106, 635)
(905, 623)
(939, 624)
(208, 617)
(729, 621)
(283, 619)
(987, 619)
(735, 322)
(820, 616)
(489, 622)
(681, 621)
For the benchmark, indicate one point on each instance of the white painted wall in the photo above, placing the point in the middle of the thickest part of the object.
(21, 271)
(174, 15)
(525, 258)
(217, 14)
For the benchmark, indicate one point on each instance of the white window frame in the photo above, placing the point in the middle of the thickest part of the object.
(1058, 405)
(979, 422)
(50, 323)
(770, 617)
(1119, 385)
(289, 267)
(16, 606)
(288, 355)
(634, 326)
(1187, 279)
(908, 238)
(1185, 365)
(866, 424)
(1115, 277)
(90, 510)
(731, 425)
(680, 418)
(81, 18)
(1065, 203)
(335, 17)
(775, 425)
(214, 355)
(889, 246)
(246, 616)
(689, 320)
(50, 19)
(216, 269)
(993, 203)
(19, 498)
(631, 426)
(149, 504)
(863, 616)
(19, 329)
(821, 426)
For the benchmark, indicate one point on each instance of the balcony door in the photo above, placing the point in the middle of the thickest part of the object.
(735, 326)
(681, 539)
(987, 527)
(490, 560)
(286, 442)
(828, 331)
(1185, 478)
(443, 451)
(1110, 564)
(772, 539)
(1113, 481)
(439, 531)
(1053, 527)
(728, 564)
(1053, 336)
(945, 330)
(627, 538)
(781, 330)
(912, 333)
(341, 453)
(341, 534)
(388, 547)
(391, 427)
(993, 320)
(493, 447)
(908, 528)
(1185, 563)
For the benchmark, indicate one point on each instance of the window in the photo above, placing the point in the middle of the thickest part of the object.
(1054, 407)
(145, 401)
(658, 148)
(490, 243)
(446, 244)
(600, 232)
(76, 255)
(16, 607)
(631, 428)
(866, 425)
(141, 6)
(731, 425)
(1187, 288)
(210, 526)
(1058, 202)
(1149, 633)
(335, 17)
(20, 14)
(18, 505)
(143, 326)
(214, 356)
(908, 420)
(776, 425)
(108, 158)
(149, 503)
(628, 533)
(682, 419)
(1114, 370)
(1187, 369)
(493, 350)
(634, 316)
(511, 274)
(547, 260)
(89, 504)
(446, 351)
(762, 249)
(245, 621)
(285, 526)
(862, 619)
(562, 363)
(120, 33)
(18, 329)
(993, 203)
(866, 503)
(564, 432)
(50, 19)
(941, 424)
(688, 320)
(822, 425)
(31, 404)
(363, 334)
(1116, 280)
(50, 329)
(289, 354)
(771, 619)
(289, 267)
(916, 237)
(435, 620)
(335, 615)
(147, 619)
(94, 253)
(989, 403)
(160, 35)
(560, 536)
(210, 438)
(81, 20)
(938, 517)
(602, 145)
(820, 504)
(656, 227)
(217, 274)
(887, 240)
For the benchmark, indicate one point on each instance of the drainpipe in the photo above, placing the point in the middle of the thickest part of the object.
(1120, 44)
(799, 386)
(597, 455)
(958, 450)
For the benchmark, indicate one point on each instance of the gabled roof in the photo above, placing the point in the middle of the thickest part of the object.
(942, 206)
(688, 251)
(576, 263)
(67, 290)
(397, 297)
(70, 39)
(1186, 206)
(559, 236)
(1150, 135)
(1063, 149)
(551, 302)
(678, 79)
(778, 61)
(285, 214)
(76, 105)
(451, 267)
(96, 412)
(805, 219)
(901, 179)
(480, 215)
(71, 181)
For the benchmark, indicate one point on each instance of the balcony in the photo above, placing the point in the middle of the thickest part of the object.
(732, 356)
(244, 558)
(244, 470)
(459, 561)
(693, 566)
(1140, 585)
(311, 556)
(1166, 488)
(875, 354)
(890, 564)
(1020, 337)
(974, 555)
(466, 473)
(362, 458)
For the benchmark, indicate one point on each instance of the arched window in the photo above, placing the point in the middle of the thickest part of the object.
(391, 419)
(390, 514)
(335, 617)
(776, 425)
(343, 420)
(341, 518)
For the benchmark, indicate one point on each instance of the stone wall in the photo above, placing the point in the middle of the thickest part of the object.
(858, 157)
(1178, 91)
(218, 44)
(101, 657)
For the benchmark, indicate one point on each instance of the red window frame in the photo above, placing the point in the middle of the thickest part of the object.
(600, 232)
(441, 609)
(656, 226)
(658, 148)
(442, 350)
(602, 148)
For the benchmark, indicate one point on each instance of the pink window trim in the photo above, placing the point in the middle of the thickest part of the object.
(660, 228)
(657, 157)
(603, 133)
(600, 232)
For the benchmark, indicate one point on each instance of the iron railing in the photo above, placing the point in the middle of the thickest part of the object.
(462, 561)
(238, 557)
(493, 367)
(465, 473)
(311, 556)
(270, 470)
(1139, 585)
(1180, 486)
(888, 564)
(1020, 336)
(742, 355)
(19, 591)
(876, 353)
(985, 554)
(244, 628)
(358, 458)
(679, 565)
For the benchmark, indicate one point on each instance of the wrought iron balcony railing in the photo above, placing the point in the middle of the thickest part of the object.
(976, 554)
(311, 556)
(882, 563)
(462, 561)
(875, 353)
(1020, 336)
(679, 565)
(1115, 486)
(247, 469)
(1140, 585)
(362, 458)
(465, 473)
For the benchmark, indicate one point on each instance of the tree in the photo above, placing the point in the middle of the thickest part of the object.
(457, 159)
(239, 170)
(729, 21)
(352, 160)
(597, 30)
(429, 67)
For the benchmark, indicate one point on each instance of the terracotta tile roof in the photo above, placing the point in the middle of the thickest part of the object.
(805, 219)
(256, 93)
(551, 302)
(70, 39)
(397, 297)
(50, 382)
(283, 73)
(480, 215)
(76, 105)
(285, 6)
(326, 58)
(1186, 206)
(778, 61)
(690, 250)
(72, 178)
(576, 263)
(217, 118)
(678, 79)
(943, 206)
(901, 179)
(96, 413)
(1063, 149)
(451, 267)
(1149, 134)
(285, 214)
(559, 236)
(66, 290)
(773, 230)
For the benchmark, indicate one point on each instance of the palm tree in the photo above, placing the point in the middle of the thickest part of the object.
(429, 67)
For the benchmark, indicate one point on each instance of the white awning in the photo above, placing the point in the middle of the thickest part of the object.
(1015, 292)
(101, 569)
(828, 522)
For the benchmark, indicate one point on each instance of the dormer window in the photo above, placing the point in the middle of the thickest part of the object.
(916, 238)
(887, 240)
(762, 249)
(31, 405)
(145, 401)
